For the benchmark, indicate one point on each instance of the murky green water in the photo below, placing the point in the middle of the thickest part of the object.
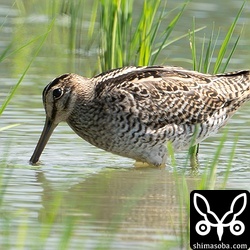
(109, 202)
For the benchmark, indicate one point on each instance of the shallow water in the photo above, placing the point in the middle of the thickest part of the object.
(109, 202)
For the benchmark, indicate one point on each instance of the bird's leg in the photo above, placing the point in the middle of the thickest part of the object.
(193, 154)
(140, 164)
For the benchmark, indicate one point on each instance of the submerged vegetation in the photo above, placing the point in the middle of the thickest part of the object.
(112, 34)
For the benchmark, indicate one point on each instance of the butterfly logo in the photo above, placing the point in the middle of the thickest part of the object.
(203, 227)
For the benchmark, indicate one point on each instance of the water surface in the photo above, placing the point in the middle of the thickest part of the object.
(108, 201)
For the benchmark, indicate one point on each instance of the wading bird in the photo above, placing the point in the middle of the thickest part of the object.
(135, 111)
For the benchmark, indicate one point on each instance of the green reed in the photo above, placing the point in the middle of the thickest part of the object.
(202, 61)
(210, 48)
(6, 175)
(127, 39)
(7, 52)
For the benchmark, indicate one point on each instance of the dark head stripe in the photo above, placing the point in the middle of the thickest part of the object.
(53, 83)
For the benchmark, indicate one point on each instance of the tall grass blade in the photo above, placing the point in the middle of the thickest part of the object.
(229, 165)
(178, 38)
(208, 49)
(225, 43)
(8, 127)
(126, 39)
(209, 52)
(13, 91)
(145, 34)
(193, 46)
(231, 53)
(170, 150)
(168, 31)
(5, 52)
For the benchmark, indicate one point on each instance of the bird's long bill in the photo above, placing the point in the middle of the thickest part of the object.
(49, 127)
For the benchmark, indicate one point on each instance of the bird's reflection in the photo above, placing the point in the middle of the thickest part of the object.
(128, 199)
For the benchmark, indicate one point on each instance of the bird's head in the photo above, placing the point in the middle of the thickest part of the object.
(59, 100)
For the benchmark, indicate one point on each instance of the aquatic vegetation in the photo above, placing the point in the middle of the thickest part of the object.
(118, 36)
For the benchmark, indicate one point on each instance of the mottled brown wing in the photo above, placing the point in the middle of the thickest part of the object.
(174, 102)
(169, 95)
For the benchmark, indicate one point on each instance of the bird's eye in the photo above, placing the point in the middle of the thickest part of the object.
(57, 93)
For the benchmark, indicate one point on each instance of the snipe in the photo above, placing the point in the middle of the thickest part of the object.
(135, 111)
